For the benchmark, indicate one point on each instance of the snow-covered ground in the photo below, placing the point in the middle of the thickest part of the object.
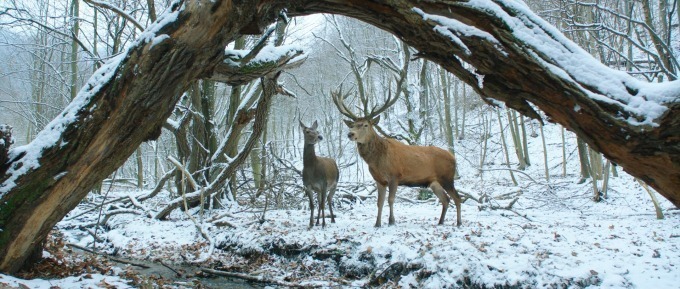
(553, 236)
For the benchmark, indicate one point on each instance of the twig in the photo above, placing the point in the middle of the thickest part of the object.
(657, 208)
(99, 216)
(259, 279)
(152, 194)
(513, 170)
(129, 262)
(117, 11)
(171, 269)
(186, 210)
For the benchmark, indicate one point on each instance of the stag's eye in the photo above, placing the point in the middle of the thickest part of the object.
(365, 125)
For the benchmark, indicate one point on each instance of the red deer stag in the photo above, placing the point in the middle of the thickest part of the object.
(392, 163)
(319, 175)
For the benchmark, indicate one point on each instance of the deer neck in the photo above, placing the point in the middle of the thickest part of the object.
(373, 150)
(309, 155)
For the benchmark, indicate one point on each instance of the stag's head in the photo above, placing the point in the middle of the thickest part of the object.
(361, 129)
(312, 136)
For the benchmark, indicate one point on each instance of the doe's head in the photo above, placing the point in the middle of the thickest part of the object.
(361, 130)
(312, 136)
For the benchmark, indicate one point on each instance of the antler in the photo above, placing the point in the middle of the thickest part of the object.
(389, 102)
(339, 101)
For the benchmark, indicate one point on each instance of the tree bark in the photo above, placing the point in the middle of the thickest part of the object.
(126, 103)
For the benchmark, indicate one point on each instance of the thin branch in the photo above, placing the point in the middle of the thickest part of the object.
(117, 10)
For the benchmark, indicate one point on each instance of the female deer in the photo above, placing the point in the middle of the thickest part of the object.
(319, 175)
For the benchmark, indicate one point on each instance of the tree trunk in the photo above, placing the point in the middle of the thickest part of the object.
(504, 52)
(448, 123)
(525, 141)
(545, 155)
(505, 147)
(75, 15)
(464, 104)
(583, 159)
(564, 154)
(514, 132)
(140, 168)
(519, 70)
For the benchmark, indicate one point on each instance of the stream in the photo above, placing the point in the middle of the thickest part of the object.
(182, 276)
(206, 281)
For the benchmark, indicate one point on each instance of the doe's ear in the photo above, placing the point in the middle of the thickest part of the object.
(349, 123)
(375, 120)
(315, 125)
(302, 125)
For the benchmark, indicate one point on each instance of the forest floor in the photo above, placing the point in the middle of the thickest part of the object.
(553, 236)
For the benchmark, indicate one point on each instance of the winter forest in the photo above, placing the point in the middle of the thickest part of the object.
(244, 144)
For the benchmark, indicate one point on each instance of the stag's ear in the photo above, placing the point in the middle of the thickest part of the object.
(315, 125)
(349, 123)
(375, 120)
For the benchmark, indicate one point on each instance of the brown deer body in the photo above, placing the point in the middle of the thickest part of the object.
(319, 175)
(392, 163)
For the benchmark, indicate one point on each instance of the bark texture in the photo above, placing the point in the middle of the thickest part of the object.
(132, 105)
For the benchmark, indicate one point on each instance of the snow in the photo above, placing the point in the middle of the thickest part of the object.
(554, 236)
(268, 53)
(564, 58)
(158, 39)
(449, 27)
(86, 281)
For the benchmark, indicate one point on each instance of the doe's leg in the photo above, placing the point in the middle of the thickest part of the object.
(310, 196)
(330, 202)
(322, 207)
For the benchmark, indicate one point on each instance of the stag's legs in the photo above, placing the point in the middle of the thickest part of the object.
(310, 195)
(390, 200)
(443, 197)
(456, 199)
(381, 202)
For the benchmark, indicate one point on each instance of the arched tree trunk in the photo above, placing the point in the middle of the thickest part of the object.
(498, 47)
(507, 53)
